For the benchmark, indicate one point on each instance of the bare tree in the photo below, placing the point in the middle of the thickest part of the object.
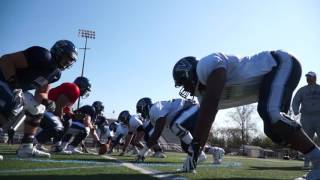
(242, 117)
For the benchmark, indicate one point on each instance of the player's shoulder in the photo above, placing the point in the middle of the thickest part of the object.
(157, 106)
(38, 52)
(37, 49)
(135, 117)
(69, 86)
(211, 61)
(214, 57)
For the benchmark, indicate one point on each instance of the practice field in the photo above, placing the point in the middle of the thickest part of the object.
(91, 167)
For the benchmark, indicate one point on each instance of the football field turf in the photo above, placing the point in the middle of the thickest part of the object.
(91, 166)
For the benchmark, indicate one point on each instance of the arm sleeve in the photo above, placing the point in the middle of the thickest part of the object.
(296, 102)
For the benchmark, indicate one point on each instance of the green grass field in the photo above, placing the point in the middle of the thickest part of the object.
(90, 167)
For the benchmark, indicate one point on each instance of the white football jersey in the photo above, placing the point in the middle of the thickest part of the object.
(217, 154)
(134, 123)
(104, 133)
(121, 129)
(168, 109)
(244, 76)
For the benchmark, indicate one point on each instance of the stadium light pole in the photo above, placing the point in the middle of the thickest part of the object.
(87, 34)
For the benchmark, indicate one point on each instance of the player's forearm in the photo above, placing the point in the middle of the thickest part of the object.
(205, 120)
(153, 139)
(127, 142)
(94, 135)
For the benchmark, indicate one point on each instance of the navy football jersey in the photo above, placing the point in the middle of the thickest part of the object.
(40, 69)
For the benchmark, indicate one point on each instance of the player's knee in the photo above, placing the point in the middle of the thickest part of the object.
(282, 130)
(33, 121)
(267, 114)
(182, 133)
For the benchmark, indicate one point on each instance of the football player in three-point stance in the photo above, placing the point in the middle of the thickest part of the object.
(82, 125)
(217, 153)
(178, 115)
(223, 81)
(130, 129)
(33, 68)
(103, 130)
(55, 122)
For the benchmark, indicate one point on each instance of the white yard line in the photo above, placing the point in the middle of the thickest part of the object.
(153, 173)
(45, 169)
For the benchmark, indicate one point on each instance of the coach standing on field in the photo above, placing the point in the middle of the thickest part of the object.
(309, 98)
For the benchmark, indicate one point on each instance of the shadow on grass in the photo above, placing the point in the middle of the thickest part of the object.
(293, 168)
(240, 178)
(79, 177)
(153, 162)
(84, 159)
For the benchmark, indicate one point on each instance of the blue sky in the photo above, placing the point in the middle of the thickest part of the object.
(138, 41)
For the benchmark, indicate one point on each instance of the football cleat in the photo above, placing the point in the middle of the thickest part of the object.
(28, 150)
(41, 148)
(159, 154)
(73, 150)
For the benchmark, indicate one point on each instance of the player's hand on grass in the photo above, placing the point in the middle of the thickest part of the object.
(189, 164)
(141, 154)
(139, 159)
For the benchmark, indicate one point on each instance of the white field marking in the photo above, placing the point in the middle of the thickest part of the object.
(115, 164)
(66, 161)
(153, 173)
(261, 159)
(46, 169)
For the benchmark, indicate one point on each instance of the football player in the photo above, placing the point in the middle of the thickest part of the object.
(33, 68)
(99, 108)
(217, 153)
(103, 130)
(80, 128)
(148, 130)
(132, 131)
(55, 121)
(164, 114)
(223, 81)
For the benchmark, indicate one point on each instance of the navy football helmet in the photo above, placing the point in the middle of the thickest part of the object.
(84, 85)
(64, 54)
(88, 110)
(185, 76)
(143, 106)
(124, 117)
(101, 121)
(98, 106)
